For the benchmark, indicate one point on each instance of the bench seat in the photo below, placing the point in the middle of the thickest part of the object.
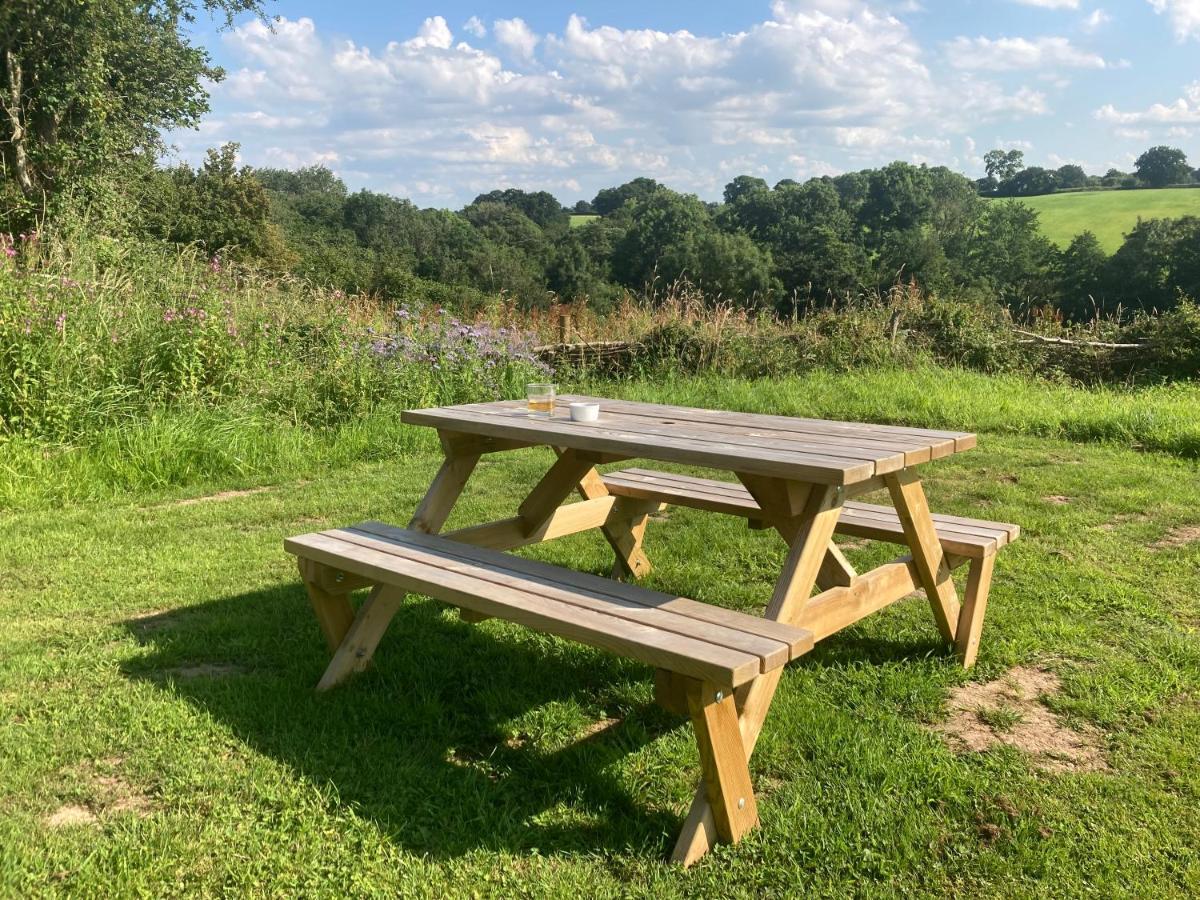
(969, 538)
(709, 643)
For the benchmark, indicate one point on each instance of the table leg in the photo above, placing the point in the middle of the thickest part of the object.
(623, 535)
(358, 646)
(975, 598)
(813, 516)
(909, 499)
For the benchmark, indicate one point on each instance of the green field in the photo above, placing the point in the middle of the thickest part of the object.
(159, 735)
(577, 221)
(1109, 214)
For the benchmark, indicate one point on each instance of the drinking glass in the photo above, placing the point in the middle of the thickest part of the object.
(541, 399)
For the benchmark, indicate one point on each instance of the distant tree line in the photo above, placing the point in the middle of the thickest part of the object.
(1008, 176)
(783, 248)
(87, 89)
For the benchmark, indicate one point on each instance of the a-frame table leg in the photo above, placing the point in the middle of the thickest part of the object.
(814, 511)
(913, 509)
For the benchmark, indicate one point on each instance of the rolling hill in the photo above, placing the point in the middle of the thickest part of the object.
(1109, 214)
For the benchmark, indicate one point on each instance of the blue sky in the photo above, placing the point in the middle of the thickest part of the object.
(439, 101)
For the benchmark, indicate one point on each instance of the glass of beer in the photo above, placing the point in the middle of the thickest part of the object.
(541, 399)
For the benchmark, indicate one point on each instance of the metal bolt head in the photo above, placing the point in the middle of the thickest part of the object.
(339, 577)
(741, 802)
(720, 696)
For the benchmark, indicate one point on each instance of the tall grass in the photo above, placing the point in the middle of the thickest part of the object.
(127, 368)
(107, 335)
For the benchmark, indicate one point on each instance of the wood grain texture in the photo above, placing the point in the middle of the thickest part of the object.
(970, 618)
(666, 638)
(723, 760)
(443, 493)
(333, 610)
(957, 534)
(921, 535)
(356, 649)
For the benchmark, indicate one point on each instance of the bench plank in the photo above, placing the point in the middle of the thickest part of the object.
(664, 638)
(958, 535)
(797, 641)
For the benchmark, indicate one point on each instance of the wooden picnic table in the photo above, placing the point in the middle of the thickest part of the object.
(798, 476)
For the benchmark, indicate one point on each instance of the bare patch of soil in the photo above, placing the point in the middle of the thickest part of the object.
(206, 670)
(69, 816)
(109, 794)
(217, 497)
(1010, 711)
(1123, 519)
(598, 727)
(1178, 537)
(1057, 499)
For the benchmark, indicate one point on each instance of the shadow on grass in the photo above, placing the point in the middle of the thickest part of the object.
(424, 744)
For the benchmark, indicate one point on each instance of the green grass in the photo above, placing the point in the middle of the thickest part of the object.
(1109, 214)
(464, 764)
(578, 221)
(213, 448)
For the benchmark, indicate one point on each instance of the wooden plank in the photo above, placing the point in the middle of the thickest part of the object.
(957, 440)
(772, 651)
(909, 499)
(572, 518)
(968, 536)
(723, 760)
(647, 644)
(333, 610)
(811, 539)
(912, 451)
(885, 459)
(699, 831)
(836, 570)
(970, 619)
(797, 466)
(799, 641)
(443, 493)
(624, 535)
(356, 649)
(834, 609)
(553, 488)
(458, 444)
(670, 691)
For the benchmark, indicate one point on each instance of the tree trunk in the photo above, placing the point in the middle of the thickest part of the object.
(18, 155)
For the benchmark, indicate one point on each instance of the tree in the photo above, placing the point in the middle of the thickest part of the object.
(583, 208)
(1160, 166)
(1071, 176)
(1030, 182)
(611, 199)
(540, 206)
(84, 86)
(743, 186)
(218, 206)
(1001, 165)
(1081, 277)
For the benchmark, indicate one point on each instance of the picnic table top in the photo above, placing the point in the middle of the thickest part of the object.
(812, 450)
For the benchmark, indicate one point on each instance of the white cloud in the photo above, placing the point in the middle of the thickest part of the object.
(1184, 15)
(1095, 20)
(1051, 4)
(591, 105)
(516, 36)
(474, 26)
(1009, 54)
(1184, 111)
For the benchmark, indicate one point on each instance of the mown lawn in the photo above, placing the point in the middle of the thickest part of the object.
(1110, 215)
(157, 660)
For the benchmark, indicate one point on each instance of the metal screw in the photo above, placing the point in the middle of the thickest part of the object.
(339, 577)
(720, 696)
(741, 802)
